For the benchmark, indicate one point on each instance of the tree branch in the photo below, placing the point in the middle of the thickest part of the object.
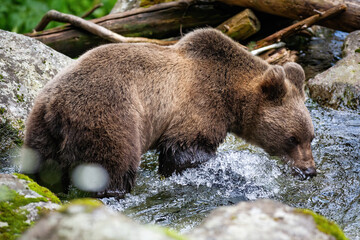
(93, 28)
(276, 37)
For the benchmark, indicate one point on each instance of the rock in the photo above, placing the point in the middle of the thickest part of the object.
(88, 219)
(25, 66)
(125, 5)
(22, 201)
(339, 86)
(264, 219)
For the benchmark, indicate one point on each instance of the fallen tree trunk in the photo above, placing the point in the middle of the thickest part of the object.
(160, 21)
(347, 21)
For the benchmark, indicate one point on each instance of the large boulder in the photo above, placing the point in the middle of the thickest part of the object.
(22, 201)
(26, 65)
(339, 86)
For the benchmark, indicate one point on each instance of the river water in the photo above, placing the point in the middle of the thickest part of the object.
(241, 172)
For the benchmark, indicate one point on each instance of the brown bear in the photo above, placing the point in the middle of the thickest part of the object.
(120, 100)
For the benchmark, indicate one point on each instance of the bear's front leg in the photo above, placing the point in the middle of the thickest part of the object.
(176, 158)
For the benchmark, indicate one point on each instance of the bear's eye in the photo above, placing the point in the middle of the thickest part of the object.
(293, 141)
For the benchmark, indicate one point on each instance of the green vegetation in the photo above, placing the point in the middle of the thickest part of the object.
(8, 134)
(173, 234)
(39, 189)
(325, 225)
(89, 203)
(13, 219)
(23, 15)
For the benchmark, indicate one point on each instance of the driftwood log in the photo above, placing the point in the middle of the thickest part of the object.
(159, 21)
(347, 21)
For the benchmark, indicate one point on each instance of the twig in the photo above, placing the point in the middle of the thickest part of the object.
(263, 49)
(276, 37)
(99, 5)
(94, 28)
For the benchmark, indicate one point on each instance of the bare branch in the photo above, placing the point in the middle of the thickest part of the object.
(276, 37)
(93, 28)
(99, 5)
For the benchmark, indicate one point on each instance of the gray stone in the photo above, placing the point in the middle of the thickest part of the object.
(84, 221)
(125, 5)
(262, 219)
(339, 86)
(26, 65)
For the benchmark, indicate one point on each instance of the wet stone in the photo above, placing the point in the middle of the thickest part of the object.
(339, 86)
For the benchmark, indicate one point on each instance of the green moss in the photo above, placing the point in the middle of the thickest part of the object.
(2, 110)
(9, 135)
(325, 225)
(20, 98)
(89, 203)
(173, 234)
(39, 189)
(10, 212)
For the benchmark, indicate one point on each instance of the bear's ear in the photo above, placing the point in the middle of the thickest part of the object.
(273, 83)
(296, 75)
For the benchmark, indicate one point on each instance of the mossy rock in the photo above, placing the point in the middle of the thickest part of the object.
(22, 201)
(324, 225)
(90, 219)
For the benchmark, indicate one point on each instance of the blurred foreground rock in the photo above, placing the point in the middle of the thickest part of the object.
(22, 201)
(339, 86)
(89, 219)
(25, 66)
(262, 219)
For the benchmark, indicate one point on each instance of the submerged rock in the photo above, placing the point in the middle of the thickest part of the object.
(265, 219)
(339, 86)
(22, 201)
(26, 65)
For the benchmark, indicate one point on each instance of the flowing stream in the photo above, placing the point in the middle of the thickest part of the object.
(241, 172)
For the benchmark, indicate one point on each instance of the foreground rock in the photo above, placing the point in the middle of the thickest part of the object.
(263, 219)
(90, 220)
(21, 203)
(339, 86)
(25, 66)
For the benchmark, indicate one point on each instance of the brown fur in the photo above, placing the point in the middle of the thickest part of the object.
(119, 100)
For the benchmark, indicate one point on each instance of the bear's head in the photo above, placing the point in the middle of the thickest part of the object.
(283, 125)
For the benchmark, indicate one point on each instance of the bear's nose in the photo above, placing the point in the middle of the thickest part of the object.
(310, 172)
